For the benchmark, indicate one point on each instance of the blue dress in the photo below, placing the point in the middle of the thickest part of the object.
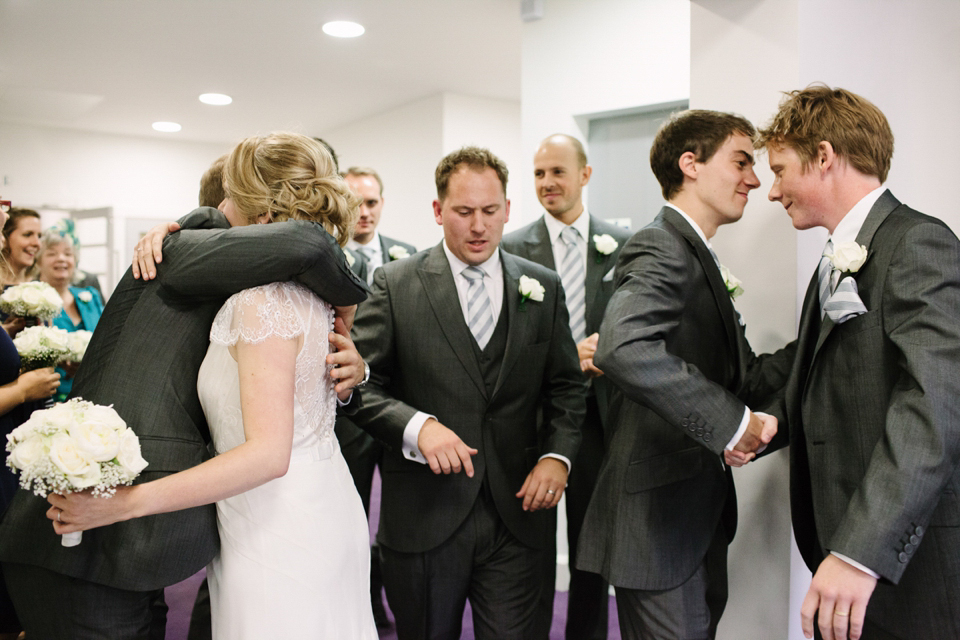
(90, 311)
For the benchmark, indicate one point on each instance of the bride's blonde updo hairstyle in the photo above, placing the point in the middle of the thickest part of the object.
(293, 178)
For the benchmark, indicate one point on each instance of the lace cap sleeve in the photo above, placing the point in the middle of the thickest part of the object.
(253, 315)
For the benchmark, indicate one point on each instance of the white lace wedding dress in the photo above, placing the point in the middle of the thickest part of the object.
(294, 556)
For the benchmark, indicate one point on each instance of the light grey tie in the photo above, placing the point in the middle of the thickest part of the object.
(369, 254)
(479, 311)
(824, 276)
(572, 276)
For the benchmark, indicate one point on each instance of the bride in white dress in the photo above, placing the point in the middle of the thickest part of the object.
(294, 545)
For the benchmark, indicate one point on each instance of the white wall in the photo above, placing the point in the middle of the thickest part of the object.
(597, 57)
(138, 177)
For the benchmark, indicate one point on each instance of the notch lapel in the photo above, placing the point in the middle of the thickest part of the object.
(441, 292)
(539, 247)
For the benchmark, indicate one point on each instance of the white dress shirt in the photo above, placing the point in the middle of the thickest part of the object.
(555, 228)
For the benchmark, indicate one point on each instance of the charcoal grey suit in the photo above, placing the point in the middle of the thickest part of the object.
(143, 359)
(672, 344)
(872, 412)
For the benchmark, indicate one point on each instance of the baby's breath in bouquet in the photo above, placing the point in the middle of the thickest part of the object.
(77, 342)
(74, 446)
(31, 300)
(42, 346)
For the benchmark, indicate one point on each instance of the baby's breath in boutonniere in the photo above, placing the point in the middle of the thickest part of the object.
(732, 283)
(530, 289)
(85, 296)
(398, 253)
(848, 257)
(605, 245)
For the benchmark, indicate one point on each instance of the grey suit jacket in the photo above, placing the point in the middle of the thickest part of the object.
(533, 243)
(413, 334)
(672, 345)
(873, 419)
(143, 359)
(387, 243)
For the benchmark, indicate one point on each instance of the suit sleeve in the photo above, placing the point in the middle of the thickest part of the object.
(919, 449)
(214, 264)
(564, 391)
(654, 278)
(381, 415)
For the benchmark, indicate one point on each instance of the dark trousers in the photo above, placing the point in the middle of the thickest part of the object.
(52, 606)
(588, 601)
(691, 611)
(482, 561)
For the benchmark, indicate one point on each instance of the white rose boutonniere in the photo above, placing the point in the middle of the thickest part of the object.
(530, 289)
(398, 253)
(85, 296)
(605, 245)
(848, 257)
(732, 283)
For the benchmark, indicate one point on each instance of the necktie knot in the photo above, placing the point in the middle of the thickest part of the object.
(570, 236)
(473, 273)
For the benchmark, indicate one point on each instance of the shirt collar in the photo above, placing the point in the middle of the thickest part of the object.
(373, 244)
(690, 221)
(555, 227)
(849, 227)
(491, 267)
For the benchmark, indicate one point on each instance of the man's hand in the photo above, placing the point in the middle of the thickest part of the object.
(344, 356)
(444, 450)
(347, 314)
(544, 485)
(586, 350)
(760, 431)
(147, 254)
(841, 592)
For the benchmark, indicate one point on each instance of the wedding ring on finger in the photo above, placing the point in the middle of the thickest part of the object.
(842, 614)
(59, 513)
(551, 491)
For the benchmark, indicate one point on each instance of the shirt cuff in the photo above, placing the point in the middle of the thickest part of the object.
(742, 429)
(564, 459)
(343, 403)
(854, 563)
(411, 434)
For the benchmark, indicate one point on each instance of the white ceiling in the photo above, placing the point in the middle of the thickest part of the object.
(117, 66)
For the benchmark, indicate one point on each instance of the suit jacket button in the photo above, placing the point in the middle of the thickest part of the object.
(699, 433)
(903, 557)
(708, 437)
(914, 540)
(908, 548)
(684, 423)
(918, 530)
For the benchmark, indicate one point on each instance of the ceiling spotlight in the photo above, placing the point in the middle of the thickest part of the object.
(343, 29)
(218, 99)
(166, 127)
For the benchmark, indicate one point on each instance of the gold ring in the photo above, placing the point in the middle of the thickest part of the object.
(842, 614)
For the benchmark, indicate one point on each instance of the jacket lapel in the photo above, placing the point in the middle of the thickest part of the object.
(519, 327)
(597, 266)
(538, 245)
(441, 291)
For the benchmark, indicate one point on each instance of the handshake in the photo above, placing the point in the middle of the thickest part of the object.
(760, 431)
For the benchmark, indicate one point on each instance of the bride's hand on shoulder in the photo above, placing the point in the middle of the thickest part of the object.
(349, 368)
(147, 254)
(80, 511)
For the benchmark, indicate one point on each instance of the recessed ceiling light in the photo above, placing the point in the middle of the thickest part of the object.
(167, 127)
(343, 29)
(218, 99)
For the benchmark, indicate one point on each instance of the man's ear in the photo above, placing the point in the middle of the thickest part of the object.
(688, 164)
(826, 156)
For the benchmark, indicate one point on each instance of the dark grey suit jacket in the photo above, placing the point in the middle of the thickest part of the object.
(533, 243)
(143, 359)
(672, 345)
(872, 412)
(420, 350)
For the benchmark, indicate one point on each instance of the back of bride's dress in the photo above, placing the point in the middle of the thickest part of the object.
(294, 552)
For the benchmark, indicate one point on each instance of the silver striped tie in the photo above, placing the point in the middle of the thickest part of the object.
(479, 311)
(824, 277)
(572, 275)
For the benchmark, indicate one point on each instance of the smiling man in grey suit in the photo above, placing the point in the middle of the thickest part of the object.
(143, 359)
(664, 510)
(872, 406)
(462, 364)
(583, 249)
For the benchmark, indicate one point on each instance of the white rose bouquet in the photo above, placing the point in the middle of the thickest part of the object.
(74, 446)
(31, 300)
(77, 342)
(42, 346)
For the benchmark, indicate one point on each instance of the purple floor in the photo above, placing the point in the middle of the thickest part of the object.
(180, 598)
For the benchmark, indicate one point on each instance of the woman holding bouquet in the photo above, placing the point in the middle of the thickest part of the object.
(294, 557)
(20, 394)
(82, 306)
(21, 235)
